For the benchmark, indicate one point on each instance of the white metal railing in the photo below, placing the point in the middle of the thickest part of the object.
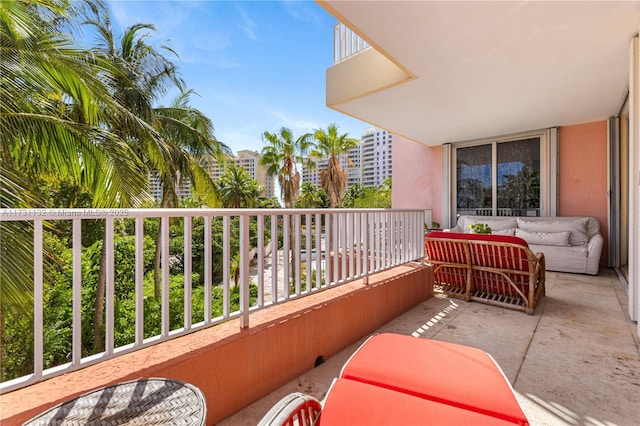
(346, 42)
(488, 211)
(319, 249)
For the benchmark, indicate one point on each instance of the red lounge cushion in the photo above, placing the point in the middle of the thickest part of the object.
(355, 403)
(443, 372)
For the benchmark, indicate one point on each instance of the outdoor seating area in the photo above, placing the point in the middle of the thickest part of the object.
(570, 244)
(494, 269)
(400, 379)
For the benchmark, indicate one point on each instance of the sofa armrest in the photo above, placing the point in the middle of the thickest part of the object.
(594, 251)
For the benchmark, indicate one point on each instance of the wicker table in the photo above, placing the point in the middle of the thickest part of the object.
(138, 402)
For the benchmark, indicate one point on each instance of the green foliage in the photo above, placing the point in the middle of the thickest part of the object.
(311, 197)
(237, 189)
(359, 197)
(17, 348)
(480, 228)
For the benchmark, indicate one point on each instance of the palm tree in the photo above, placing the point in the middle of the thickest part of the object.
(237, 189)
(281, 155)
(189, 135)
(53, 106)
(140, 76)
(309, 196)
(331, 145)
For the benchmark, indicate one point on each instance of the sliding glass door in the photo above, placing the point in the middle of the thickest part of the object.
(499, 178)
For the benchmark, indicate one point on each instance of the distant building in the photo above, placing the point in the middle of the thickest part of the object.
(376, 156)
(250, 161)
(371, 160)
(155, 187)
(246, 159)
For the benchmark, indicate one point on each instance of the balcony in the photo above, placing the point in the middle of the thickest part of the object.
(575, 361)
(346, 43)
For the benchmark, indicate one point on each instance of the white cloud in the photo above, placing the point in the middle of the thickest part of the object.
(248, 25)
(302, 11)
(299, 124)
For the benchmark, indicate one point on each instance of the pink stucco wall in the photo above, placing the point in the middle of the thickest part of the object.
(583, 176)
(417, 176)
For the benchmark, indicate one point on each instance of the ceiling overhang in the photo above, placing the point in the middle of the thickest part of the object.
(458, 71)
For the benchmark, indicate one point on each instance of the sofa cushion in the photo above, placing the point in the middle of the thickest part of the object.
(577, 227)
(494, 224)
(544, 238)
(510, 231)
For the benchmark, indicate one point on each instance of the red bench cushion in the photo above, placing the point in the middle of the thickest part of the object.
(355, 403)
(456, 375)
(481, 237)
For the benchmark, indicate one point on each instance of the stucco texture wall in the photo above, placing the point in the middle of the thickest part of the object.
(583, 175)
(417, 176)
(582, 186)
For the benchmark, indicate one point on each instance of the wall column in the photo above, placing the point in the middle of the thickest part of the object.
(634, 181)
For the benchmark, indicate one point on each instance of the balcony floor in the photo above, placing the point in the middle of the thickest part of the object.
(576, 361)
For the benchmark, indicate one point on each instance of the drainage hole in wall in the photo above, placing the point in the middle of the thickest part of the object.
(319, 361)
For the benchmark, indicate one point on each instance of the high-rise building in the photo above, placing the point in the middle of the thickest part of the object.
(370, 161)
(250, 161)
(376, 156)
(183, 189)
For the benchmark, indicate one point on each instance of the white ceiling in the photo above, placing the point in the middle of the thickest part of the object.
(493, 68)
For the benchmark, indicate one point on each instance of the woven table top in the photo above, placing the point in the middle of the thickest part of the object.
(138, 402)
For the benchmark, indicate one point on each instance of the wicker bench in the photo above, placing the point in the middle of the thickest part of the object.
(494, 269)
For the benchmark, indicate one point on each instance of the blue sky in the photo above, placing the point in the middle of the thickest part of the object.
(256, 65)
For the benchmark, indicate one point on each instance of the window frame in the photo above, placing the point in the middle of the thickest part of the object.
(548, 170)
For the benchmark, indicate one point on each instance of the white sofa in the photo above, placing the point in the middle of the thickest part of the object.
(569, 244)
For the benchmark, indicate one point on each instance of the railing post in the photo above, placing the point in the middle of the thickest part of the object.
(308, 250)
(367, 255)
(76, 346)
(286, 253)
(208, 267)
(139, 281)
(260, 220)
(318, 251)
(274, 258)
(296, 254)
(226, 261)
(164, 223)
(188, 273)
(244, 270)
(110, 287)
(38, 329)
